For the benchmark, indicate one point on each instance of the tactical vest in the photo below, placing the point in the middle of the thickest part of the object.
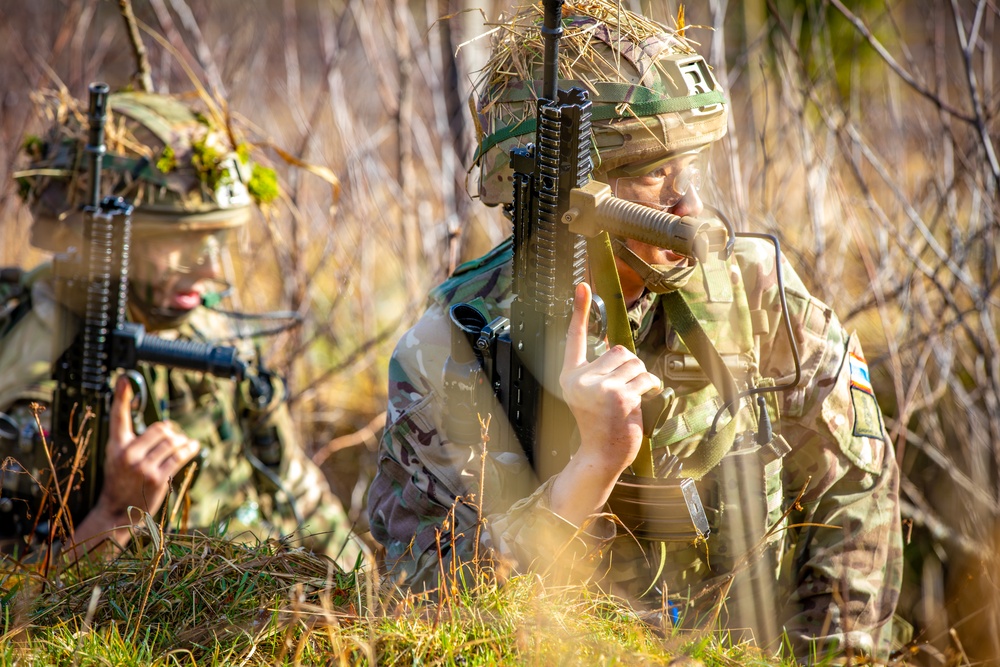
(740, 482)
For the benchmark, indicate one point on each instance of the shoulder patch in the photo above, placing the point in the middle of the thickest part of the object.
(852, 414)
(860, 378)
(867, 416)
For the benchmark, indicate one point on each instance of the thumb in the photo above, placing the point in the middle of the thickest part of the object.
(576, 336)
(120, 419)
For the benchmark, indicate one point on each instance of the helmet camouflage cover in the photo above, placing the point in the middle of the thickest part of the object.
(652, 94)
(182, 170)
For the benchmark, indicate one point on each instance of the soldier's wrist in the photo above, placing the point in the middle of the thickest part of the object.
(109, 512)
(595, 467)
(582, 488)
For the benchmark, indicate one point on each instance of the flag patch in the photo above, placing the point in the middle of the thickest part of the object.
(860, 379)
(867, 416)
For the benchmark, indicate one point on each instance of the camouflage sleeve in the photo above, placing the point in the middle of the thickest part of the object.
(325, 527)
(439, 507)
(843, 564)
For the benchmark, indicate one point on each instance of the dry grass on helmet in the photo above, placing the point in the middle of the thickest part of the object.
(64, 118)
(517, 44)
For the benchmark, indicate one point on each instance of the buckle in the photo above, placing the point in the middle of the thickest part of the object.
(681, 367)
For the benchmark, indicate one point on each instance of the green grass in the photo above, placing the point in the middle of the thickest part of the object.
(200, 600)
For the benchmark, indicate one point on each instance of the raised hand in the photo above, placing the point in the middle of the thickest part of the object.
(605, 397)
(138, 468)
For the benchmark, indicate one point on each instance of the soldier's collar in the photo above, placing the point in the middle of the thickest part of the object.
(638, 315)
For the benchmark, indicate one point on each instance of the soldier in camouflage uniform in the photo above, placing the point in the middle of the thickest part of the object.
(190, 189)
(805, 530)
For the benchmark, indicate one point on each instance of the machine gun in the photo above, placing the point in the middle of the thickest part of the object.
(556, 207)
(68, 483)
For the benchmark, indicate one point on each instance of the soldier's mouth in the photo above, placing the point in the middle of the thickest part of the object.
(188, 300)
(672, 256)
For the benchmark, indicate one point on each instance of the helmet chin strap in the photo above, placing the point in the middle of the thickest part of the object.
(658, 278)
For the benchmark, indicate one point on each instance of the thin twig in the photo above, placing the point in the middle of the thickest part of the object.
(143, 70)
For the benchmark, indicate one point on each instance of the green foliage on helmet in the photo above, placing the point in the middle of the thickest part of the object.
(177, 165)
(210, 163)
(652, 94)
(263, 185)
(167, 161)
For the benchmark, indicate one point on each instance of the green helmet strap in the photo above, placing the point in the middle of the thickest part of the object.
(607, 97)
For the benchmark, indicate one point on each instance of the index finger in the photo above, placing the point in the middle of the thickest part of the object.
(576, 335)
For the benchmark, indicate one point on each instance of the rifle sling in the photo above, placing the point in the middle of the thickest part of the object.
(604, 274)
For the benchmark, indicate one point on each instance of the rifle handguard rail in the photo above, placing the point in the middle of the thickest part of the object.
(133, 345)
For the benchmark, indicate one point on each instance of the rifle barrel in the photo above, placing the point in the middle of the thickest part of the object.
(552, 31)
(95, 147)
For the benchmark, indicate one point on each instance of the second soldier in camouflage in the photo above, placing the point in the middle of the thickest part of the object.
(191, 187)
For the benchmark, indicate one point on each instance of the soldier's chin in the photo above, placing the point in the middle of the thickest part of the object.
(157, 319)
(171, 312)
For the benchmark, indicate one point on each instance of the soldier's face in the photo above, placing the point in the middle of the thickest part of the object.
(672, 187)
(660, 183)
(173, 271)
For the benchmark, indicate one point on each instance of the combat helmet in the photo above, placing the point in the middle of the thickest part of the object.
(183, 170)
(652, 94)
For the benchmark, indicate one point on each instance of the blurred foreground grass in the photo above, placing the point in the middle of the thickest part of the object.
(200, 600)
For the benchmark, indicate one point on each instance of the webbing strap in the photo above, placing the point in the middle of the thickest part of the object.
(685, 424)
(647, 107)
(604, 274)
(697, 341)
(711, 450)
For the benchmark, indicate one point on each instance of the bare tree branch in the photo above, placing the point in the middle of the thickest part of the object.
(143, 71)
(902, 73)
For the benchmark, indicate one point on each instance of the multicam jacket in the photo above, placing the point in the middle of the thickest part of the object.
(228, 495)
(811, 531)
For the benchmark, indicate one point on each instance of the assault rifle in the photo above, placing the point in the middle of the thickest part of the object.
(72, 478)
(556, 207)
